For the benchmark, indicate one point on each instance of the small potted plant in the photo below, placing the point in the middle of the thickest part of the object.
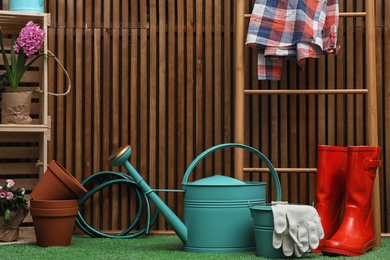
(35, 6)
(13, 210)
(24, 52)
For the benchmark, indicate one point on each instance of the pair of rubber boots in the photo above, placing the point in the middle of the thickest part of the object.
(345, 180)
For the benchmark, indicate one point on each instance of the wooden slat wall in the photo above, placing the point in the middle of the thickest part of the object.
(142, 76)
(159, 75)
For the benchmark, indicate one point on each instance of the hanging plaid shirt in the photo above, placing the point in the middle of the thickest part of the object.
(288, 29)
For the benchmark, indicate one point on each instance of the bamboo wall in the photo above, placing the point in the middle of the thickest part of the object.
(159, 75)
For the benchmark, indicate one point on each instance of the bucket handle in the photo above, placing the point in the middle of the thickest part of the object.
(235, 145)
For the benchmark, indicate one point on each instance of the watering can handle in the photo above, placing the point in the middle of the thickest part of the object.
(235, 145)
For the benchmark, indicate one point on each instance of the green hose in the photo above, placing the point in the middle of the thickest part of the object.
(121, 178)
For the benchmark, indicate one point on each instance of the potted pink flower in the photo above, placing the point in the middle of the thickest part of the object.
(13, 210)
(23, 53)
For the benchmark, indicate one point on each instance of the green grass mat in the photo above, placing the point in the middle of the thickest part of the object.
(151, 247)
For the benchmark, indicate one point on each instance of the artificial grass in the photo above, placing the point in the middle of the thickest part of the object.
(150, 247)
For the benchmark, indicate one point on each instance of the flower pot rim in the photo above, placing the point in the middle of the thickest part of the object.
(53, 212)
(12, 93)
(68, 179)
(45, 203)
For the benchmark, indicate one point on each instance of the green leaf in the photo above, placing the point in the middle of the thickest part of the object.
(7, 214)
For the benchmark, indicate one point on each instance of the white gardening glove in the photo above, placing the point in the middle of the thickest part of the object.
(303, 224)
(305, 227)
(281, 235)
(283, 239)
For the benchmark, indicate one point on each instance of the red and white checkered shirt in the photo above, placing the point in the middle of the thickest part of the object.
(288, 29)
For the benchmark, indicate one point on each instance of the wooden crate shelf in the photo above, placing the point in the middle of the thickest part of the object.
(23, 148)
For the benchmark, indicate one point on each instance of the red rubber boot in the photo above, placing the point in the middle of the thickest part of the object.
(330, 188)
(356, 234)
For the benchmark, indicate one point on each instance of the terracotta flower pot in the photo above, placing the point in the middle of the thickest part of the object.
(9, 230)
(54, 221)
(58, 184)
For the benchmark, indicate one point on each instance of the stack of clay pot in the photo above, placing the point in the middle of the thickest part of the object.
(54, 206)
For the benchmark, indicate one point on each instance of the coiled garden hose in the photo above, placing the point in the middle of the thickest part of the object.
(121, 178)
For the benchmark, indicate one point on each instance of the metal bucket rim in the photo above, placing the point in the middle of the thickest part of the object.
(245, 184)
(263, 207)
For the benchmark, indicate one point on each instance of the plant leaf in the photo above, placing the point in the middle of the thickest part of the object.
(7, 214)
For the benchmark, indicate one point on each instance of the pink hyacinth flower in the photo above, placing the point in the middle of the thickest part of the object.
(10, 196)
(10, 183)
(30, 39)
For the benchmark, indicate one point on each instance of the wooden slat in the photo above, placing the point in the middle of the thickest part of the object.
(19, 168)
(190, 102)
(304, 91)
(227, 84)
(216, 166)
(17, 152)
(68, 125)
(134, 130)
(170, 116)
(181, 91)
(199, 85)
(386, 117)
(350, 53)
(239, 72)
(61, 14)
(372, 109)
(162, 97)
(207, 91)
(18, 137)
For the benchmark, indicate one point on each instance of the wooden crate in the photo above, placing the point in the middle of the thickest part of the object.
(21, 158)
(23, 148)
(36, 77)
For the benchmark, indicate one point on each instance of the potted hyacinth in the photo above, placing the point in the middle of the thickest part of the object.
(13, 210)
(23, 53)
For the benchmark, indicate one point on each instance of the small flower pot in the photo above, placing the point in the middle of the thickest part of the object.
(58, 184)
(34, 6)
(9, 230)
(15, 108)
(54, 221)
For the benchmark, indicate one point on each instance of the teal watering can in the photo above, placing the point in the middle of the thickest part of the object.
(216, 214)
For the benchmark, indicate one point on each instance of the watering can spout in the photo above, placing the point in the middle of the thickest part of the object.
(120, 157)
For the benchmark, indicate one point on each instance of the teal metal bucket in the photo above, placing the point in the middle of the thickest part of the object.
(263, 223)
(31, 6)
(220, 221)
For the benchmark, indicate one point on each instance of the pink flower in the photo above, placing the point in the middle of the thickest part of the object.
(10, 183)
(3, 194)
(10, 196)
(30, 39)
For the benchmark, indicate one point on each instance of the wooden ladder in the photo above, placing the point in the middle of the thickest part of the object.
(370, 91)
